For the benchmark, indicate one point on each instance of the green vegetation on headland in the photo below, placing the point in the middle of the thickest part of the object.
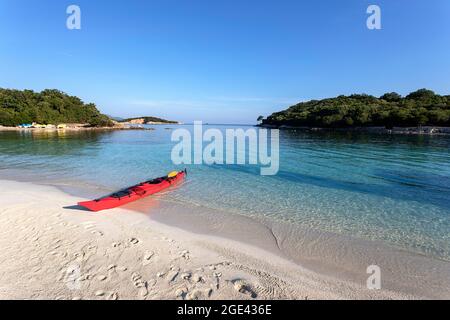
(144, 120)
(47, 107)
(419, 108)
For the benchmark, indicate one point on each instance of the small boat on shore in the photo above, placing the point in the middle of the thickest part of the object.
(134, 193)
(25, 125)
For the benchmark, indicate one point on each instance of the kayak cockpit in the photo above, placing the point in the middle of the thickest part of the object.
(121, 194)
(155, 181)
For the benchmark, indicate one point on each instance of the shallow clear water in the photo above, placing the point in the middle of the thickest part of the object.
(390, 188)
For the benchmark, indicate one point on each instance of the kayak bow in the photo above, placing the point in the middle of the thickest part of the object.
(134, 193)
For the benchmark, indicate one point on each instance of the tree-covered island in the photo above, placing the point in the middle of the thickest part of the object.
(420, 108)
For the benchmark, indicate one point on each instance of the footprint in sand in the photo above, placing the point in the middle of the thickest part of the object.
(242, 286)
(100, 293)
(186, 276)
(112, 267)
(180, 293)
(88, 276)
(91, 226)
(168, 240)
(138, 282)
(184, 254)
(197, 278)
(79, 256)
(101, 277)
(113, 296)
(134, 241)
(172, 275)
(147, 257)
(197, 294)
(56, 244)
(116, 244)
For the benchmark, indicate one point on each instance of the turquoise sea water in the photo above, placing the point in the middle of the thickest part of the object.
(390, 188)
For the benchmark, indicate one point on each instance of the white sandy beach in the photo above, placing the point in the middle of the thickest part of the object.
(48, 252)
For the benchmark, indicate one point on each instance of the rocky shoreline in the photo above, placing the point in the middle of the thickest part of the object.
(76, 128)
(426, 130)
(148, 120)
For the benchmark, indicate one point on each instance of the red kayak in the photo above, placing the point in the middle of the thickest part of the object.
(134, 193)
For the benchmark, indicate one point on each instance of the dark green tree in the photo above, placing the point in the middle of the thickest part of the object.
(391, 97)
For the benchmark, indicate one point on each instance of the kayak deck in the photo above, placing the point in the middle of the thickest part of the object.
(133, 193)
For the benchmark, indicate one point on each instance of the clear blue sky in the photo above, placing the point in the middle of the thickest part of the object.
(222, 61)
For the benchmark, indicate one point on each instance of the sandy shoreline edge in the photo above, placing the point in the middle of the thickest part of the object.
(54, 253)
(336, 256)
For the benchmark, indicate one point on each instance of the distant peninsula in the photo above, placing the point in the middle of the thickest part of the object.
(420, 108)
(148, 120)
